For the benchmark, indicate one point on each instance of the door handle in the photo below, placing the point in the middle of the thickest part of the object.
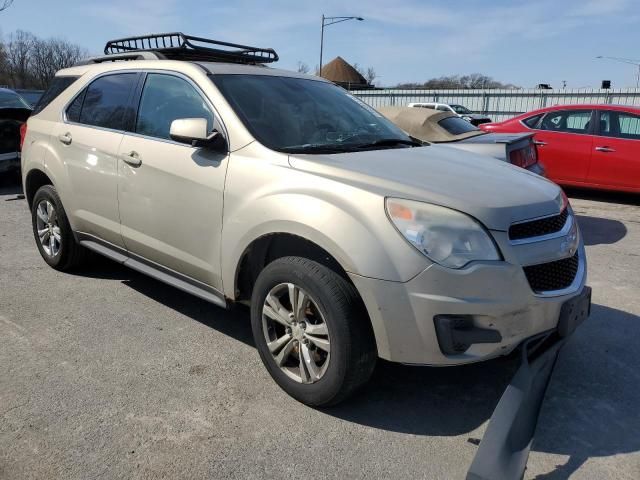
(132, 158)
(539, 143)
(604, 149)
(65, 138)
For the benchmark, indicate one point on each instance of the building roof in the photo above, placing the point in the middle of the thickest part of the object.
(339, 71)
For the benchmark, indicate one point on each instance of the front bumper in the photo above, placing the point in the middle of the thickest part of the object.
(495, 295)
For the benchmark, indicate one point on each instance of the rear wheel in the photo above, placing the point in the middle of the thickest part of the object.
(52, 231)
(311, 331)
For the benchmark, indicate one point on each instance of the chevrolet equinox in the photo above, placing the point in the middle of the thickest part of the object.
(351, 241)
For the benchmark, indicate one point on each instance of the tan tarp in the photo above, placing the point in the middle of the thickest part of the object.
(422, 123)
(339, 71)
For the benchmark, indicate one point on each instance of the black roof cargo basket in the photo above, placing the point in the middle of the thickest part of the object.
(178, 46)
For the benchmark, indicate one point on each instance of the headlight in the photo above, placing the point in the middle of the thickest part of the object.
(467, 118)
(446, 236)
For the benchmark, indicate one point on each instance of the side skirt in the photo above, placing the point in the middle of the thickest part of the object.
(142, 265)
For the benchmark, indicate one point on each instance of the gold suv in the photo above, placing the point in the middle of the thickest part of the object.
(198, 165)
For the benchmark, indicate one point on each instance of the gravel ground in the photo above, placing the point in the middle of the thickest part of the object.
(109, 374)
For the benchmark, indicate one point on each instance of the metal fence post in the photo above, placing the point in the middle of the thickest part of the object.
(485, 102)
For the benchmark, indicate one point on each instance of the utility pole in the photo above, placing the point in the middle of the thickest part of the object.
(630, 61)
(326, 21)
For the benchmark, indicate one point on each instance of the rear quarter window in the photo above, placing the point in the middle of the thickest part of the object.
(532, 122)
(56, 87)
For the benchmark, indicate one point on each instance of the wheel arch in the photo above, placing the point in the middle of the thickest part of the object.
(272, 246)
(35, 179)
(269, 247)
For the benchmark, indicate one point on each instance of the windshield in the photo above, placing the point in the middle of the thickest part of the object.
(300, 115)
(9, 99)
(460, 109)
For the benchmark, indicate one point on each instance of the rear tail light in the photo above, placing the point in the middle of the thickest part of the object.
(23, 133)
(524, 157)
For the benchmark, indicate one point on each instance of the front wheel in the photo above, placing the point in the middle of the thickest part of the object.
(311, 331)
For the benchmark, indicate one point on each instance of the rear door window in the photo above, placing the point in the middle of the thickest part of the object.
(619, 125)
(105, 102)
(56, 87)
(569, 121)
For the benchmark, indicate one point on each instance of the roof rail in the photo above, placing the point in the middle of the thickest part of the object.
(178, 46)
(123, 56)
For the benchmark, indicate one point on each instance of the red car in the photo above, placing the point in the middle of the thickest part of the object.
(594, 146)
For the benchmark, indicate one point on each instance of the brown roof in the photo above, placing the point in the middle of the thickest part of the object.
(339, 71)
(423, 123)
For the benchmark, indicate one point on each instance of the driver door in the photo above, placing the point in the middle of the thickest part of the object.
(170, 194)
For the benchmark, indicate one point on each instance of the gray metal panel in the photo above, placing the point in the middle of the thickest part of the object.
(500, 104)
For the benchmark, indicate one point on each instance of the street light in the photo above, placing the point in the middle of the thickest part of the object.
(326, 21)
(625, 60)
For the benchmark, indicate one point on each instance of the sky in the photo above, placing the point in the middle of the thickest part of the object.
(524, 42)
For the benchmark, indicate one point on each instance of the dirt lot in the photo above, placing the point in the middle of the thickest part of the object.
(109, 374)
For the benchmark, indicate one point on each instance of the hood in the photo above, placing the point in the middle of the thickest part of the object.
(494, 192)
(475, 116)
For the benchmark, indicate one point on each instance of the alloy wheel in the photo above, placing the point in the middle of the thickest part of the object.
(296, 333)
(48, 228)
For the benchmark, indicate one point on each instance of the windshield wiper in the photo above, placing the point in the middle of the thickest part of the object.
(317, 148)
(388, 142)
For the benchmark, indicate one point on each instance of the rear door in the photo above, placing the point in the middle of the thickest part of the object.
(564, 142)
(87, 144)
(616, 151)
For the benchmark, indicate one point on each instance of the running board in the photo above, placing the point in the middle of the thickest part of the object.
(175, 279)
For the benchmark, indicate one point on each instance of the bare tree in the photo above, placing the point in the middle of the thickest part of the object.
(4, 76)
(49, 56)
(471, 81)
(369, 74)
(18, 57)
(31, 62)
(303, 67)
(4, 4)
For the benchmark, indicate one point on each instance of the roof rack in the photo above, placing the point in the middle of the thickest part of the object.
(123, 56)
(178, 46)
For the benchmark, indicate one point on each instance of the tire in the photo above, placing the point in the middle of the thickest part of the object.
(333, 306)
(69, 254)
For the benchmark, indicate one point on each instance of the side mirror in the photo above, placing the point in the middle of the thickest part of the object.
(193, 131)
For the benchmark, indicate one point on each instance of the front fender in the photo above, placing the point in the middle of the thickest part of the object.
(264, 195)
(349, 239)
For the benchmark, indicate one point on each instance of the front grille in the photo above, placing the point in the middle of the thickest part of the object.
(557, 275)
(537, 228)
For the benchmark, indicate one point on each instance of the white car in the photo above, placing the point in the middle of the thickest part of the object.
(461, 111)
